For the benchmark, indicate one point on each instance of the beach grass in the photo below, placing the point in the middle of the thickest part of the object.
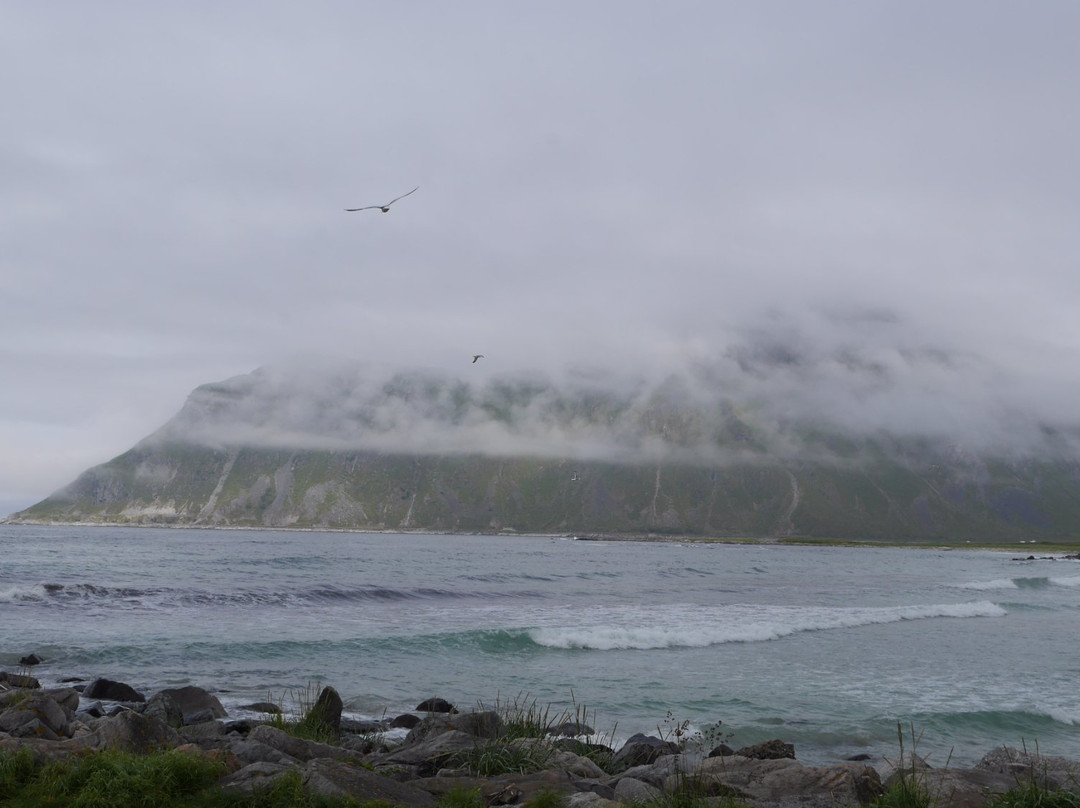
(307, 718)
(170, 779)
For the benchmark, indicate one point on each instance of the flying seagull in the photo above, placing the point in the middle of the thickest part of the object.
(384, 208)
(477, 356)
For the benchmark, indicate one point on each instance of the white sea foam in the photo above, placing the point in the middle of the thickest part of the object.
(997, 583)
(695, 627)
(1072, 580)
(18, 594)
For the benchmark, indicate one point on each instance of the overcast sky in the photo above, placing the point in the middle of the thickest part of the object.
(624, 185)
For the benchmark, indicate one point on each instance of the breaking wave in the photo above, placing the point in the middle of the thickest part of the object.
(738, 623)
(1021, 583)
(162, 597)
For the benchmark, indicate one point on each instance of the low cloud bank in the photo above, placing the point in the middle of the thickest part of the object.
(773, 392)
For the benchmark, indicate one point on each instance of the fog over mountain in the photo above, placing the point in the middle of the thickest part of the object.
(861, 214)
(847, 373)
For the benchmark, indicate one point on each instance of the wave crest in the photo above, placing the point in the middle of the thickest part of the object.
(738, 623)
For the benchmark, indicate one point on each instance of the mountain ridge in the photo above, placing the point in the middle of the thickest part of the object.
(421, 451)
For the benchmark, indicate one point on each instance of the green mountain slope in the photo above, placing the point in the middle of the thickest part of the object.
(419, 452)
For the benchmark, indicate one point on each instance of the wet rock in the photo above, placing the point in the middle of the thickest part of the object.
(405, 721)
(112, 691)
(641, 750)
(723, 750)
(571, 729)
(177, 706)
(19, 680)
(769, 750)
(435, 705)
(262, 707)
(328, 707)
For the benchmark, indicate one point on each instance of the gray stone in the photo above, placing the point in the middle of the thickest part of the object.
(19, 680)
(482, 724)
(328, 707)
(338, 778)
(641, 750)
(845, 783)
(34, 728)
(1047, 771)
(439, 751)
(588, 799)
(768, 750)
(202, 730)
(955, 788)
(248, 751)
(435, 705)
(129, 731)
(262, 707)
(192, 704)
(577, 765)
(37, 707)
(112, 691)
(299, 748)
(66, 697)
(253, 777)
(632, 790)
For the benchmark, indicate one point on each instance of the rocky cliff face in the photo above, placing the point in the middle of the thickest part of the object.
(420, 452)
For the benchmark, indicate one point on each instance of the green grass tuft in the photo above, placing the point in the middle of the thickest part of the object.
(461, 797)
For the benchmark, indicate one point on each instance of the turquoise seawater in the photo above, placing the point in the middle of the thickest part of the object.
(827, 648)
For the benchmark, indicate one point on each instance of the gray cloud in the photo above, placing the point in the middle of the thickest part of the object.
(886, 192)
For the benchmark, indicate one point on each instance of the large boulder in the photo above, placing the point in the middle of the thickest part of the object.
(844, 784)
(769, 750)
(1045, 771)
(340, 779)
(521, 787)
(128, 731)
(641, 750)
(435, 705)
(38, 715)
(953, 788)
(444, 750)
(299, 748)
(483, 724)
(184, 705)
(256, 777)
(112, 691)
(328, 707)
(19, 680)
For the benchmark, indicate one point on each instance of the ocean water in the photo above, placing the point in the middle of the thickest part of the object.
(826, 648)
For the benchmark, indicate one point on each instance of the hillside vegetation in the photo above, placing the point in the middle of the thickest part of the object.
(420, 452)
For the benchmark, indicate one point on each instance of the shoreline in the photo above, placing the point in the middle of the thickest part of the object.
(1070, 548)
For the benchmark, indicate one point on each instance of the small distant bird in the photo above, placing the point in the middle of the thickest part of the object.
(477, 356)
(384, 208)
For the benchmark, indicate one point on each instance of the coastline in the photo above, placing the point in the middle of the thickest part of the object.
(509, 752)
(1070, 548)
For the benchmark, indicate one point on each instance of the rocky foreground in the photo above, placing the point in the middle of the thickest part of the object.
(445, 749)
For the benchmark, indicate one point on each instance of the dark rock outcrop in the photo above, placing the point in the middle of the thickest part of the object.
(113, 691)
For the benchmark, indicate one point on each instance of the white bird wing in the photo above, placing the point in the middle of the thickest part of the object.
(392, 201)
